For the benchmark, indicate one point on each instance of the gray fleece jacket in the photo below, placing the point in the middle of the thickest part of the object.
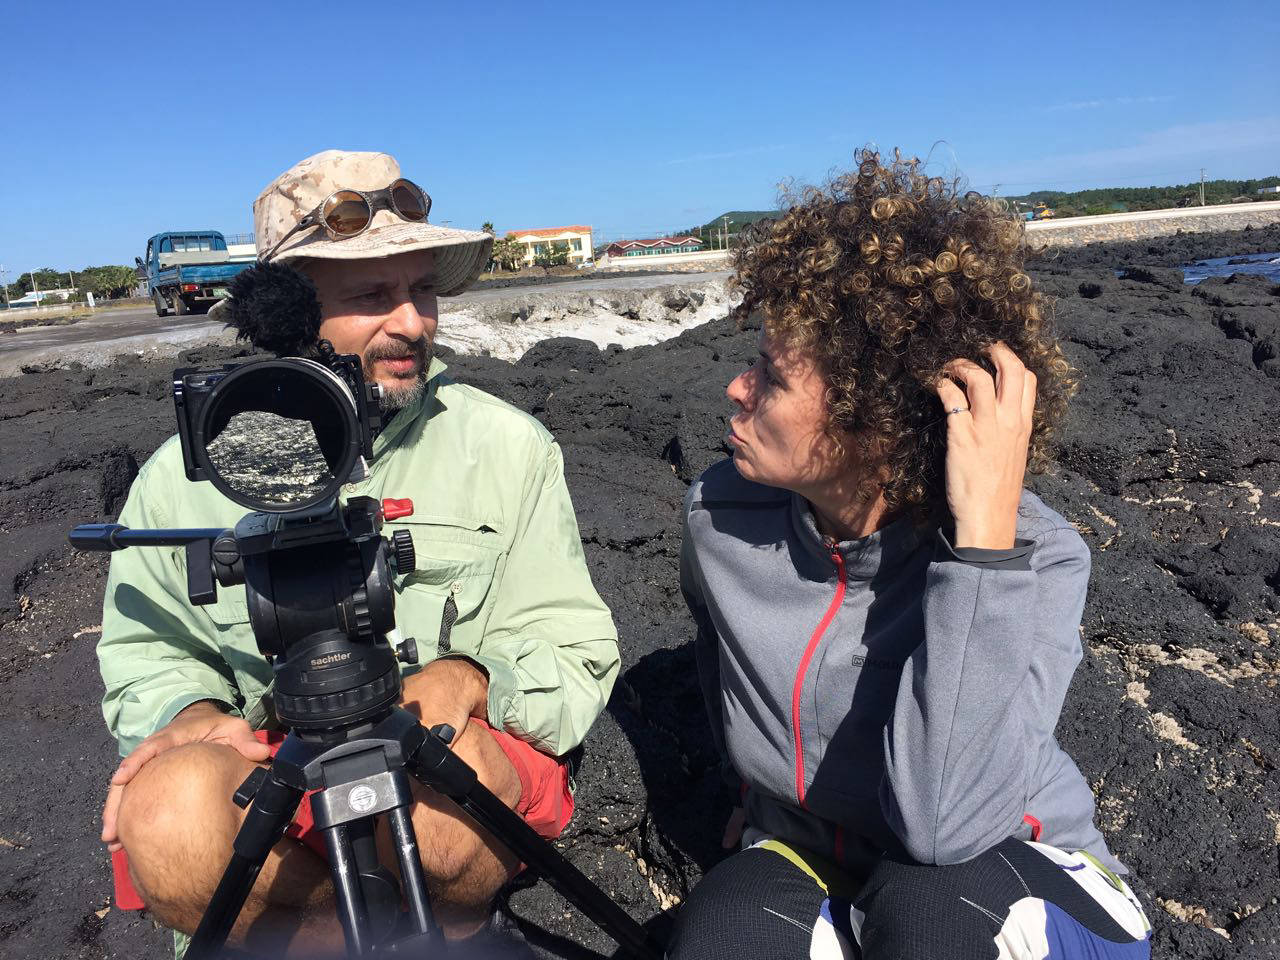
(890, 694)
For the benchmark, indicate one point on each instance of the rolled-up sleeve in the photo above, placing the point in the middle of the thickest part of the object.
(156, 655)
(550, 648)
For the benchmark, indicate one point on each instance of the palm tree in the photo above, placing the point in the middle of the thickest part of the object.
(508, 252)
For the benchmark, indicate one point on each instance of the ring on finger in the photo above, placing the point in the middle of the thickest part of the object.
(957, 410)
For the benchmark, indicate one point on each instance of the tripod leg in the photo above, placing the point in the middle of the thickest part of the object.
(274, 804)
(352, 910)
(415, 886)
(438, 767)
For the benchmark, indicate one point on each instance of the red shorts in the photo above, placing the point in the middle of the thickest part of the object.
(546, 804)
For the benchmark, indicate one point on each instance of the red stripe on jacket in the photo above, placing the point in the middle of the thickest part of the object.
(804, 666)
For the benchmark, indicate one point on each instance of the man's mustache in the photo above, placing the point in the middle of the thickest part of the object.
(420, 349)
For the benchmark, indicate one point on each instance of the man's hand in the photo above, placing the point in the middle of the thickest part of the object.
(447, 691)
(989, 426)
(200, 722)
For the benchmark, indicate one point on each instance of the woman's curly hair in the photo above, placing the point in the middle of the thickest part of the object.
(886, 275)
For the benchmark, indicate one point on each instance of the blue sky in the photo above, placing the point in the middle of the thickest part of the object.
(636, 116)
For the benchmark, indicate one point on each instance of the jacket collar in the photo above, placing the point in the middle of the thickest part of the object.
(401, 421)
(879, 553)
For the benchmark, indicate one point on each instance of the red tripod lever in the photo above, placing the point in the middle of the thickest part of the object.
(395, 509)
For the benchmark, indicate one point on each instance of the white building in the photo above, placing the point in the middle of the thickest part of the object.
(535, 242)
(37, 297)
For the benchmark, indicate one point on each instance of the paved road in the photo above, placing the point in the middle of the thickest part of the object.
(96, 340)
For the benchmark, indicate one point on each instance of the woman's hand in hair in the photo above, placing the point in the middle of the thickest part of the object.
(987, 445)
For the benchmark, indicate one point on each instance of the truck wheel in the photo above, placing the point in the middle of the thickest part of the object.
(162, 307)
(180, 307)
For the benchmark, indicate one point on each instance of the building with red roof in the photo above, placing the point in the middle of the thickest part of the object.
(642, 248)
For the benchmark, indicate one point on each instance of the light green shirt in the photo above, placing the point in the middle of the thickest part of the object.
(493, 528)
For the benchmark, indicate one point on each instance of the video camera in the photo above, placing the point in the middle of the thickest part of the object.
(281, 437)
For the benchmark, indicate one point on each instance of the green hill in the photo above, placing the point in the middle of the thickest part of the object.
(712, 232)
(738, 219)
(1124, 199)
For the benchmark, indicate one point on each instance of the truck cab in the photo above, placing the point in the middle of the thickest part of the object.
(188, 271)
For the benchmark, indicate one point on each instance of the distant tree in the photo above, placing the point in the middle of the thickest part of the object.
(487, 227)
(1118, 199)
(113, 281)
(103, 282)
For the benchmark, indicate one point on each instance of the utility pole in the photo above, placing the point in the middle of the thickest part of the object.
(1202, 186)
(34, 287)
(3, 283)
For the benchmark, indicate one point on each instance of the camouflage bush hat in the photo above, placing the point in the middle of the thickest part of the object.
(460, 254)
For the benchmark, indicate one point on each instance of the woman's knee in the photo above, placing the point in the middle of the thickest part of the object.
(756, 905)
(1010, 892)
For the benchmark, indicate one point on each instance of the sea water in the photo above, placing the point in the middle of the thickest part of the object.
(1264, 264)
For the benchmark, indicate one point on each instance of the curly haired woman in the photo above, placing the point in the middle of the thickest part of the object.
(887, 621)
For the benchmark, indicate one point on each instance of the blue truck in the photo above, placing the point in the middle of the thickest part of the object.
(189, 271)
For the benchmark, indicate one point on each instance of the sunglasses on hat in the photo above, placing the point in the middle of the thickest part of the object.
(347, 213)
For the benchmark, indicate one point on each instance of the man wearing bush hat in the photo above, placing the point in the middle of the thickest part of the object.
(526, 653)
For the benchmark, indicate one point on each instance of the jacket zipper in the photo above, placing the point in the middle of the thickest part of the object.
(447, 619)
(804, 666)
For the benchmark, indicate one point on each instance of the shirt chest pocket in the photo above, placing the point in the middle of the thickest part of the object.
(239, 650)
(445, 601)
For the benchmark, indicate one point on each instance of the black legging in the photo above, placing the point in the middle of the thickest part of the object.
(758, 905)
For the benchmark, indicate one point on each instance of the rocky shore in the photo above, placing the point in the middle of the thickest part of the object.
(621, 311)
(1169, 466)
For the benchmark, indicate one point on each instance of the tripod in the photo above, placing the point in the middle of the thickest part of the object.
(318, 586)
(357, 779)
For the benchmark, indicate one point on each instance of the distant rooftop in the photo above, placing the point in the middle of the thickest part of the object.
(548, 231)
(657, 242)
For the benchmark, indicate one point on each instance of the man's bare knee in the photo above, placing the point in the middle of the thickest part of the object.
(177, 822)
(477, 747)
(177, 789)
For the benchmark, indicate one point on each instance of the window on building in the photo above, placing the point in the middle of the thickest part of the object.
(577, 243)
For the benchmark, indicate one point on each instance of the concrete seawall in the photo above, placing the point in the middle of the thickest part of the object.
(1077, 231)
(1065, 232)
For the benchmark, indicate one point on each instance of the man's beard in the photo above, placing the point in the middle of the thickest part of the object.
(401, 393)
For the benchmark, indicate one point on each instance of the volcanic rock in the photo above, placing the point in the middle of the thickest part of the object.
(1169, 467)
